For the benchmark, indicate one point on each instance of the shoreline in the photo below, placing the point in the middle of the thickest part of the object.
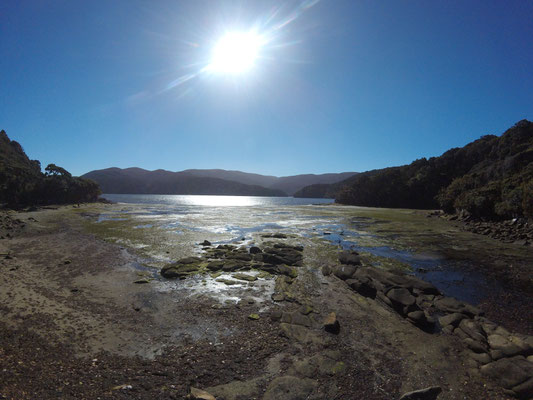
(72, 293)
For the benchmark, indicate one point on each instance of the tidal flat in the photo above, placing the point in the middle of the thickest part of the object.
(83, 290)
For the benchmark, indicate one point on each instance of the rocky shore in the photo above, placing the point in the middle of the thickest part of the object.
(279, 318)
(516, 230)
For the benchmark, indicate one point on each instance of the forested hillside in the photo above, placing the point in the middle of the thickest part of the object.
(22, 183)
(491, 177)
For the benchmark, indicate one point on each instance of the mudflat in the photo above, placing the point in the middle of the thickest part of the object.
(86, 314)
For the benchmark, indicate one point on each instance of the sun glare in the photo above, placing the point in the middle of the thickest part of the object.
(235, 53)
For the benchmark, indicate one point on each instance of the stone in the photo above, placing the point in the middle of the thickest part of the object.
(215, 265)
(429, 393)
(244, 277)
(473, 329)
(205, 243)
(475, 346)
(276, 315)
(199, 394)
(288, 271)
(253, 316)
(451, 319)
(331, 324)
(349, 257)
(255, 250)
(401, 296)
(296, 318)
(482, 358)
(509, 372)
(524, 390)
(289, 388)
(178, 270)
(363, 286)
(228, 282)
(142, 280)
(326, 270)
(189, 260)
(344, 271)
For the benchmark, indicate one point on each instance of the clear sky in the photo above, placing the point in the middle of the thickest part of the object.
(335, 85)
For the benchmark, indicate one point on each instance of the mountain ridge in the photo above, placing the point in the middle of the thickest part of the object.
(134, 180)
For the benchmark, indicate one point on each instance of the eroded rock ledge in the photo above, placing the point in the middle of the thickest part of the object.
(504, 357)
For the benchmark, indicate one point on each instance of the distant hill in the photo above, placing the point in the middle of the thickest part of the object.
(288, 184)
(22, 183)
(491, 177)
(204, 181)
(141, 181)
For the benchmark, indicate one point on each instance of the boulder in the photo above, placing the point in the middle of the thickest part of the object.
(451, 319)
(215, 265)
(199, 394)
(344, 271)
(430, 393)
(178, 270)
(509, 373)
(205, 243)
(244, 277)
(255, 250)
(401, 296)
(473, 329)
(363, 286)
(349, 258)
(331, 324)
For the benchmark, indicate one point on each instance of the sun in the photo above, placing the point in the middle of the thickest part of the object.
(235, 53)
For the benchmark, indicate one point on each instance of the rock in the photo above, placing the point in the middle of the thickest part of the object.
(306, 309)
(244, 277)
(475, 346)
(451, 319)
(401, 296)
(253, 316)
(473, 329)
(296, 318)
(178, 270)
(524, 390)
(344, 271)
(142, 280)
(451, 305)
(199, 394)
(331, 324)
(289, 388)
(215, 265)
(363, 286)
(482, 358)
(239, 256)
(326, 270)
(429, 393)
(255, 250)
(288, 271)
(509, 372)
(349, 258)
(189, 260)
(228, 282)
(205, 243)
(276, 315)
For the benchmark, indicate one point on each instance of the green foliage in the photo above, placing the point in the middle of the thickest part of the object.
(490, 177)
(23, 184)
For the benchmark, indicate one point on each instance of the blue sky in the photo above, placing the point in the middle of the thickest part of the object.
(341, 85)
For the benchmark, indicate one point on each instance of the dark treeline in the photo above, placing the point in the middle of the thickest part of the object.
(23, 184)
(491, 177)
